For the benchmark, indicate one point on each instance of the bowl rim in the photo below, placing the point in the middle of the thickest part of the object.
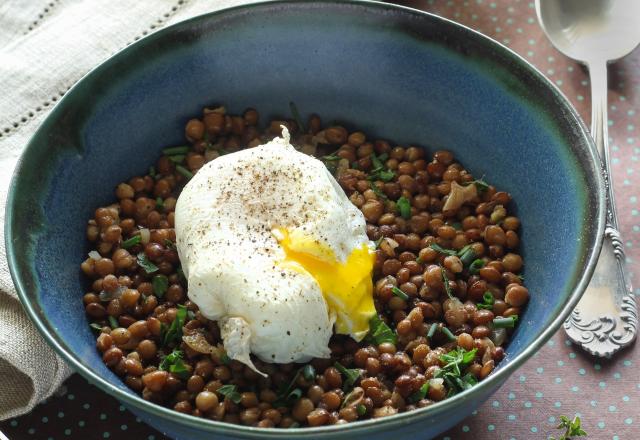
(395, 421)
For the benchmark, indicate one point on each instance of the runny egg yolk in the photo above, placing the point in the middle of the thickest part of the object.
(347, 286)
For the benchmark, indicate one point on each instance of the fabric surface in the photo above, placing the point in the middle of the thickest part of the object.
(45, 47)
(559, 380)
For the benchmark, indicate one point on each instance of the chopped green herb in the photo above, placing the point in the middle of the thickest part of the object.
(294, 395)
(376, 162)
(361, 409)
(169, 244)
(508, 322)
(152, 171)
(230, 392)
(181, 276)
(191, 315)
(175, 150)
(445, 281)
(136, 239)
(95, 326)
(475, 266)
(572, 428)
(159, 204)
(308, 372)
(113, 322)
(381, 332)
(432, 330)
(384, 175)
(480, 184)
(404, 206)
(147, 265)
(448, 334)
(457, 226)
(487, 301)
(350, 375)
(286, 393)
(173, 364)
(333, 157)
(185, 172)
(455, 362)
(378, 192)
(420, 394)
(174, 332)
(177, 158)
(378, 241)
(467, 255)
(160, 285)
(383, 157)
(399, 293)
(296, 116)
(436, 247)
(225, 359)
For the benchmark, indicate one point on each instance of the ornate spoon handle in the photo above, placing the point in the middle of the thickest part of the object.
(606, 319)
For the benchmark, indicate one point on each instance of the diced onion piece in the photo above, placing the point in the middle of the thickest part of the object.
(354, 397)
(95, 255)
(499, 335)
(458, 196)
(145, 235)
(197, 342)
(105, 295)
(388, 246)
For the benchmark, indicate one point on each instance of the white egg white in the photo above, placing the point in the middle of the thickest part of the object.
(225, 220)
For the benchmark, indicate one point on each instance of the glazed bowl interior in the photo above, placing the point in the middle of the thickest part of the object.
(409, 77)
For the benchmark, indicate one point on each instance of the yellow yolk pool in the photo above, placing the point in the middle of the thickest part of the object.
(346, 286)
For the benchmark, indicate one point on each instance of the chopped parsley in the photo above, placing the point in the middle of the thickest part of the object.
(350, 375)
(404, 207)
(487, 301)
(144, 263)
(230, 392)
(571, 428)
(173, 364)
(420, 394)
(160, 285)
(455, 362)
(174, 332)
(380, 332)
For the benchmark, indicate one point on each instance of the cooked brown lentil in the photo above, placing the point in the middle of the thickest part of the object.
(133, 309)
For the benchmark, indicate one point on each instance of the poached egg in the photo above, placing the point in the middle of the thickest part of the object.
(274, 251)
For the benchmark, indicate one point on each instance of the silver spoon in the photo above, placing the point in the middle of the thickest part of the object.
(595, 32)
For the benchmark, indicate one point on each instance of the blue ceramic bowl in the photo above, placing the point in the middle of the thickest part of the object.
(395, 73)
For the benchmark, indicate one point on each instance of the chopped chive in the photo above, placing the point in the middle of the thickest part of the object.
(159, 204)
(185, 172)
(475, 266)
(420, 394)
(448, 334)
(308, 372)
(177, 158)
(95, 326)
(361, 409)
(467, 255)
(175, 150)
(405, 207)
(113, 322)
(378, 241)
(399, 293)
(508, 322)
(136, 239)
(296, 116)
(432, 330)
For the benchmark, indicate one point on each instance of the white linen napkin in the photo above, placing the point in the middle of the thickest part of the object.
(45, 47)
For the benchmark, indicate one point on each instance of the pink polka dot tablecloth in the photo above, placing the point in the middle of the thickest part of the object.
(558, 380)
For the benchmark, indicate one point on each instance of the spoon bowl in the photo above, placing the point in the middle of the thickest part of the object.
(591, 30)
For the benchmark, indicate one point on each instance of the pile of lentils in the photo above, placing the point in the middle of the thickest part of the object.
(446, 278)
